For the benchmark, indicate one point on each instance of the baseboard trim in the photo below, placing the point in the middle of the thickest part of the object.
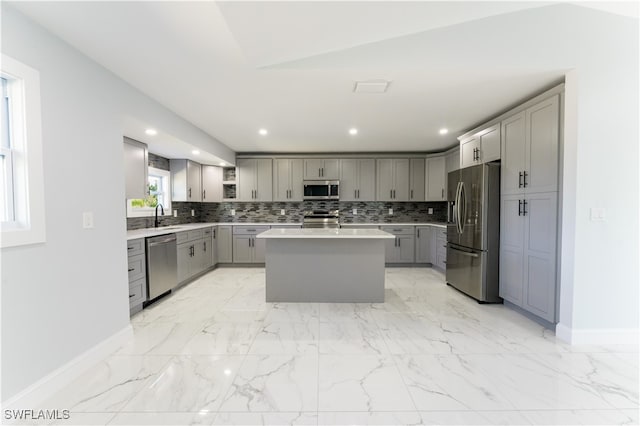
(598, 336)
(46, 387)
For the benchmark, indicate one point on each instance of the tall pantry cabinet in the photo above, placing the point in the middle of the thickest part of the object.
(530, 143)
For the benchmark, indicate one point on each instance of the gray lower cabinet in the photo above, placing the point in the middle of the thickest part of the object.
(209, 247)
(440, 235)
(137, 274)
(246, 247)
(423, 244)
(224, 243)
(528, 236)
(194, 253)
(402, 248)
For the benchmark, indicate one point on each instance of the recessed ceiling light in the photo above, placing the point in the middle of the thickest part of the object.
(444, 131)
(353, 131)
(263, 132)
(371, 86)
(195, 152)
(151, 132)
(223, 164)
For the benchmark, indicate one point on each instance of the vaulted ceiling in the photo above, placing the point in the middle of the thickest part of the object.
(232, 68)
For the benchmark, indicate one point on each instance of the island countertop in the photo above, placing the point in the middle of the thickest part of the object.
(314, 233)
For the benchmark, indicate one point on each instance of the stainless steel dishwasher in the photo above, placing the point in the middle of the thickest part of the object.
(162, 265)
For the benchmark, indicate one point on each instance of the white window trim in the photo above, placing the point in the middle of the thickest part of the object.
(147, 212)
(29, 226)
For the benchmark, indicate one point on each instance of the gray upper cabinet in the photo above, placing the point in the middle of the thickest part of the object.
(136, 161)
(321, 168)
(287, 179)
(416, 179)
(530, 143)
(357, 179)
(254, 179)
(211, 184)
(436, 178)
(186, 181)
(481, 147)
(392, 179)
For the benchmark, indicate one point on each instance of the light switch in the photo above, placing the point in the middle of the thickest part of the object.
(281, 212)
(175, 213)
(87, 220)
(390, 212)
(233, 212)
(430, 210)
(597, 214)
(355, 212)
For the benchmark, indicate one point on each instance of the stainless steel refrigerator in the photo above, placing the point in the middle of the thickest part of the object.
(473, 234)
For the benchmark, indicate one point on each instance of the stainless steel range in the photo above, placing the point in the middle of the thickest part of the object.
(321, 219)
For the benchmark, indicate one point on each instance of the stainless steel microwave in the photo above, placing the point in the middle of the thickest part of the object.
(321, 190)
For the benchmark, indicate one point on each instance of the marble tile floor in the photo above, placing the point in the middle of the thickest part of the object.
(215, 353)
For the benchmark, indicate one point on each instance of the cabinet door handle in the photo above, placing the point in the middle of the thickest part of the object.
(214, 234)
(205, 246)
(443, 193)
(519, 207)
(412, 194)
(358, 194)
(322, 171)
(394, 194)
(129, 248)
(204, 194)
(524, 207)
(525, 174)
(131, 295)
(418, 233)
(132, 269)
(189, 192)
(519, 179)
(319, 172)
(399, 242)
(256, 194)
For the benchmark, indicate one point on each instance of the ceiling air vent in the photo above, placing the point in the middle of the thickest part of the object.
(371, 86)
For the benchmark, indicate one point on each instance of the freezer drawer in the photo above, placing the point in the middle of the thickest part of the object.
(467, 271)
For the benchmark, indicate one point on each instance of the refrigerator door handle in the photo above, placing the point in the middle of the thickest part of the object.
(464, 253)
(463, 207)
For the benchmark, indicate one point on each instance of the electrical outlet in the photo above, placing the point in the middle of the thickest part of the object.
(281, 212)
(430, 210)
(355, 212)
(233, 212)
(87, 220)
(193, 212)
(175, 213)
(390, 212)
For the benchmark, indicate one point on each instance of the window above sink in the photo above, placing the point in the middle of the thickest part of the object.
(159, 192)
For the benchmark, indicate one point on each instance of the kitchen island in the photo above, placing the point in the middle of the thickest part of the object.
(325, 265)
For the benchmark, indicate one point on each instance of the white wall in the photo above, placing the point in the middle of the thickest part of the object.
(61, 298)
(600, 280)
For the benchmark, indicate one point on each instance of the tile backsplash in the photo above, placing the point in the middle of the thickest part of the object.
(367, 212)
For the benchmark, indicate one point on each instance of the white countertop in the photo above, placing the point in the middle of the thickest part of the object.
(151, 232)
(311, 233)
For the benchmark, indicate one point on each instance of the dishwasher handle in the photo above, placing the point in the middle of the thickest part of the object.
(163, 239)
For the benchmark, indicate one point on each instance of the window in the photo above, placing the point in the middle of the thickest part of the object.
(159, 193)
(21, 173)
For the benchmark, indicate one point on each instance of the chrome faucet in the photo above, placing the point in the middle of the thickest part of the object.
(162, 212)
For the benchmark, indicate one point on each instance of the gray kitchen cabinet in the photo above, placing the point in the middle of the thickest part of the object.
(224, 246)
(211, 184)
(530, 146)
(194, 253)
(186, 181)
(392, 179)
(402, 248)
(246, 247)
(321, 168)
(435, 179)
(209, 248)
(254, 179)
(481, 147)
(357, 179)
(441, 248)
(184, 261)
(417, 179)
(136, 161)
(137, 274)
(528, 235)
(423, 244)
(452, 163)
(287, 179)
